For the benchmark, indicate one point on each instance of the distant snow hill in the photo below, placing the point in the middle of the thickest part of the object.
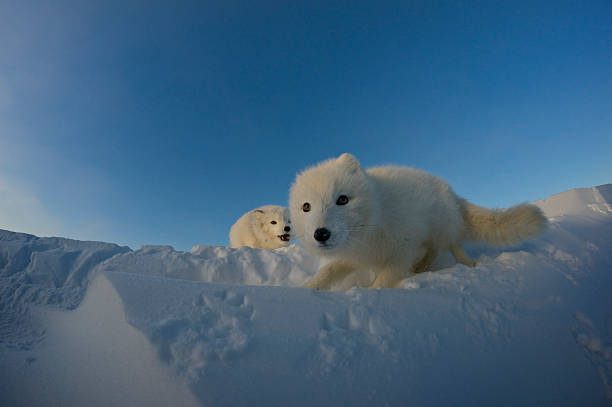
(89, 323)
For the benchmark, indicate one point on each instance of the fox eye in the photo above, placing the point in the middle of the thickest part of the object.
(273, 222)
(306, 207)
(342, 200)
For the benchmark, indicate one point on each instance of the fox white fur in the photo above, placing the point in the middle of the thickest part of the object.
(266, 227)
(395, 220)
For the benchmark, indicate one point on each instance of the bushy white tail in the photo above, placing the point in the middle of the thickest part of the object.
(503, 227)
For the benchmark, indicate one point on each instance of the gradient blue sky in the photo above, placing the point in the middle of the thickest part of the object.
(158, 123)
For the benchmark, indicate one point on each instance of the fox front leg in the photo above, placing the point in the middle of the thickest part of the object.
(426, 261)
(391, 275)
(461, 256)
(329, 274)
(388, 278)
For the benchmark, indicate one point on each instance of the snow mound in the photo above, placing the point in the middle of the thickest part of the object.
(287, 266)
(90, 357)
(42, 271)
(530, 325)
(580, 201)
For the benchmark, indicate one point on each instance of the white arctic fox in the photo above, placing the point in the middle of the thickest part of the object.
(266, 227)
(392, 220)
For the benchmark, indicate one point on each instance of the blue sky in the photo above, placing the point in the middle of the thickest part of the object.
(158, 123)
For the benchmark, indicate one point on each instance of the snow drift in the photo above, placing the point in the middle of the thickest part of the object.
(98, 324)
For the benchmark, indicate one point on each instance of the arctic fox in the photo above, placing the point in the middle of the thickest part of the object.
(392, 220)
(266, 227)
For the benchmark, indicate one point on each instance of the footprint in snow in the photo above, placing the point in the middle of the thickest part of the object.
(345, 334)
(214, 331)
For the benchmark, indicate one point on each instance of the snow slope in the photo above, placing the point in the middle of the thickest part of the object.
(88, 323)
(579, 201)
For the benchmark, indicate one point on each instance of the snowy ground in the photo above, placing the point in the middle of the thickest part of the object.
(89, 323)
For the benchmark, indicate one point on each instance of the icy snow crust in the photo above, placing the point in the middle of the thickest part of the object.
(88, 323)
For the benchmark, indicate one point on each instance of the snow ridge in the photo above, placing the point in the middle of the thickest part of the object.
(43, 271)
(530, 325)
(579, 201)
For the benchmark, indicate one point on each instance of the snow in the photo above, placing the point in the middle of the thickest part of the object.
(90, 323)
(579, 201)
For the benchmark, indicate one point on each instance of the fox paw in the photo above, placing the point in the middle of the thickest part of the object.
(316, 285)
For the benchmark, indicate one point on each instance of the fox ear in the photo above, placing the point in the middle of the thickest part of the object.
(350, 162)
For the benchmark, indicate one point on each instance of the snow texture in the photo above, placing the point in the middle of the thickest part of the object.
(88, 323)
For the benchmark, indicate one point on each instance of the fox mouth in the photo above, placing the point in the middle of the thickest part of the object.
(325, 246)
(285, 238)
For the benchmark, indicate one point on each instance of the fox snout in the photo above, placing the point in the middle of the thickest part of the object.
(322, 235)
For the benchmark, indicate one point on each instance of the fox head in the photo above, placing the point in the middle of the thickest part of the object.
(332, 206)
(271, 224)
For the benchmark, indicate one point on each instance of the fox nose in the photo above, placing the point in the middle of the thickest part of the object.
(322, 234)
(287, 229)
